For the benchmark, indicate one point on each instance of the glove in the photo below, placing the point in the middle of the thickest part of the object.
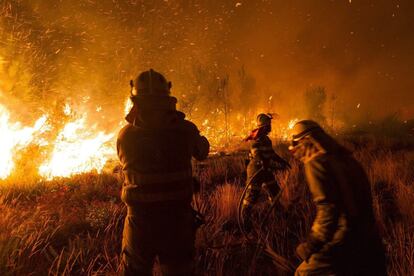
(306, 249)
(303, 251)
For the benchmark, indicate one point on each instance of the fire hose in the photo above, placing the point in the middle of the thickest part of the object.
(278, 260)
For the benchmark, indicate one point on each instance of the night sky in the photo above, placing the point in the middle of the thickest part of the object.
(360, 51)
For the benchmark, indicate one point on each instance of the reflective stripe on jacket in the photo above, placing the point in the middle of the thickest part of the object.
(140, 187)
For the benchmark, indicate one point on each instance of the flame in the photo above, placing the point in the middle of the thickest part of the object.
(292, 123)
(286, 132)
(127, 106)
(224, 138)
(78, 148)
(14, 137)
(67, 110)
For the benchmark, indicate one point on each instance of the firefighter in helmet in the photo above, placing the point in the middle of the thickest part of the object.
(344, 239)
(263, 161)
(155, 149)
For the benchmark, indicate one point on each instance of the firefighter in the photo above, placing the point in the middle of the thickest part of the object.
(344, 239)
(263, 161)
(155, 149)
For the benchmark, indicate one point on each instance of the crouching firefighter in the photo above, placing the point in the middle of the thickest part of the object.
(155, 149)
(263, 161)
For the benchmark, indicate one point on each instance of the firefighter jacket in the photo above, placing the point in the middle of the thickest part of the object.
(262, 156)
(344, 219)
(155, 153)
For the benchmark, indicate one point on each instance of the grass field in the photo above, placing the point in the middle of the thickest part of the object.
(73, 226)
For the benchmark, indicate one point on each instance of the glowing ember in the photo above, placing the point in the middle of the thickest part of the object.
(78, 149)
(286, 131)
(13, 138)
(292, 123)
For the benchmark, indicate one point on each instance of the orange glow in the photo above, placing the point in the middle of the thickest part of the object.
(78, 148)
(81, 146)
(15, 137)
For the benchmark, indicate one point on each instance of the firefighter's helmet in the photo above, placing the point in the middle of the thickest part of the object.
(304, 128)
(264, 120)
(150, 83)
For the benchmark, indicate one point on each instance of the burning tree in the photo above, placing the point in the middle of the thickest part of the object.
(223, 94)
(248, 97)
(213, 94)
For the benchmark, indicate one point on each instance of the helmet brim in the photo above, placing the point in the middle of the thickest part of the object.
(305, 133)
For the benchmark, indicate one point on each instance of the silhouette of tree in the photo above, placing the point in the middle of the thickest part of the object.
(315, 100)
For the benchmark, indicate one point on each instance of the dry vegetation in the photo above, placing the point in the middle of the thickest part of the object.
(73, 226)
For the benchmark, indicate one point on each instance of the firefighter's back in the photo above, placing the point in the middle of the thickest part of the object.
(157, 162)
(155, 151)
(158, 190)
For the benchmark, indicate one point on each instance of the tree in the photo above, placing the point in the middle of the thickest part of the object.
(315, 99)
(248, 97)
(223, 94)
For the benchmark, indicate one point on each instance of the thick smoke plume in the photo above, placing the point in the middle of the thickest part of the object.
(235, 57)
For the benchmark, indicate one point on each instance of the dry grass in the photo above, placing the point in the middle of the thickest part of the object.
(73, 226)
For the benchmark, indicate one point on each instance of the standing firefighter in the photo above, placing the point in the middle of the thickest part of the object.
(155, 150)
(263, 162)
(344, 239)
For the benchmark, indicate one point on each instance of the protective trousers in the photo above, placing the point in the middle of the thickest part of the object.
(151, 231)
(264, 180)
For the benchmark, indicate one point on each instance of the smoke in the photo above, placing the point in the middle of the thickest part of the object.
(85, 52)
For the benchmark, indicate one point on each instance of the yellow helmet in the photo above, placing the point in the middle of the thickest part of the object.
(303, 128)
